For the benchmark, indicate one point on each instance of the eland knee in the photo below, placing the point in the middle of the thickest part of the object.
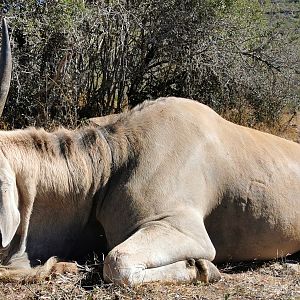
(118, 268)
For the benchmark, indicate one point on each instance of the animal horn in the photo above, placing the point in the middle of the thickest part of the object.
(5, 66)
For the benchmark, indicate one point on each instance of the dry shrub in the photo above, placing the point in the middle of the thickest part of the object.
(78, 59)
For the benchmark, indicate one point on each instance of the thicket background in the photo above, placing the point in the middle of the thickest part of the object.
(78, 59)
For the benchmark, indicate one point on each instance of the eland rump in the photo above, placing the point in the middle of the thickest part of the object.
(171, 185)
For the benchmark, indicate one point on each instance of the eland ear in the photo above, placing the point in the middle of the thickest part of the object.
(9, 212)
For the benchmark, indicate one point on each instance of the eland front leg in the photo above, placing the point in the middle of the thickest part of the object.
(160, 252)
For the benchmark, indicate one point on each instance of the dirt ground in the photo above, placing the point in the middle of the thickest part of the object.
(272, 280)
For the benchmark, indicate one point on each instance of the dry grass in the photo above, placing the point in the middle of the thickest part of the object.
(288, 127)
(276, 280)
